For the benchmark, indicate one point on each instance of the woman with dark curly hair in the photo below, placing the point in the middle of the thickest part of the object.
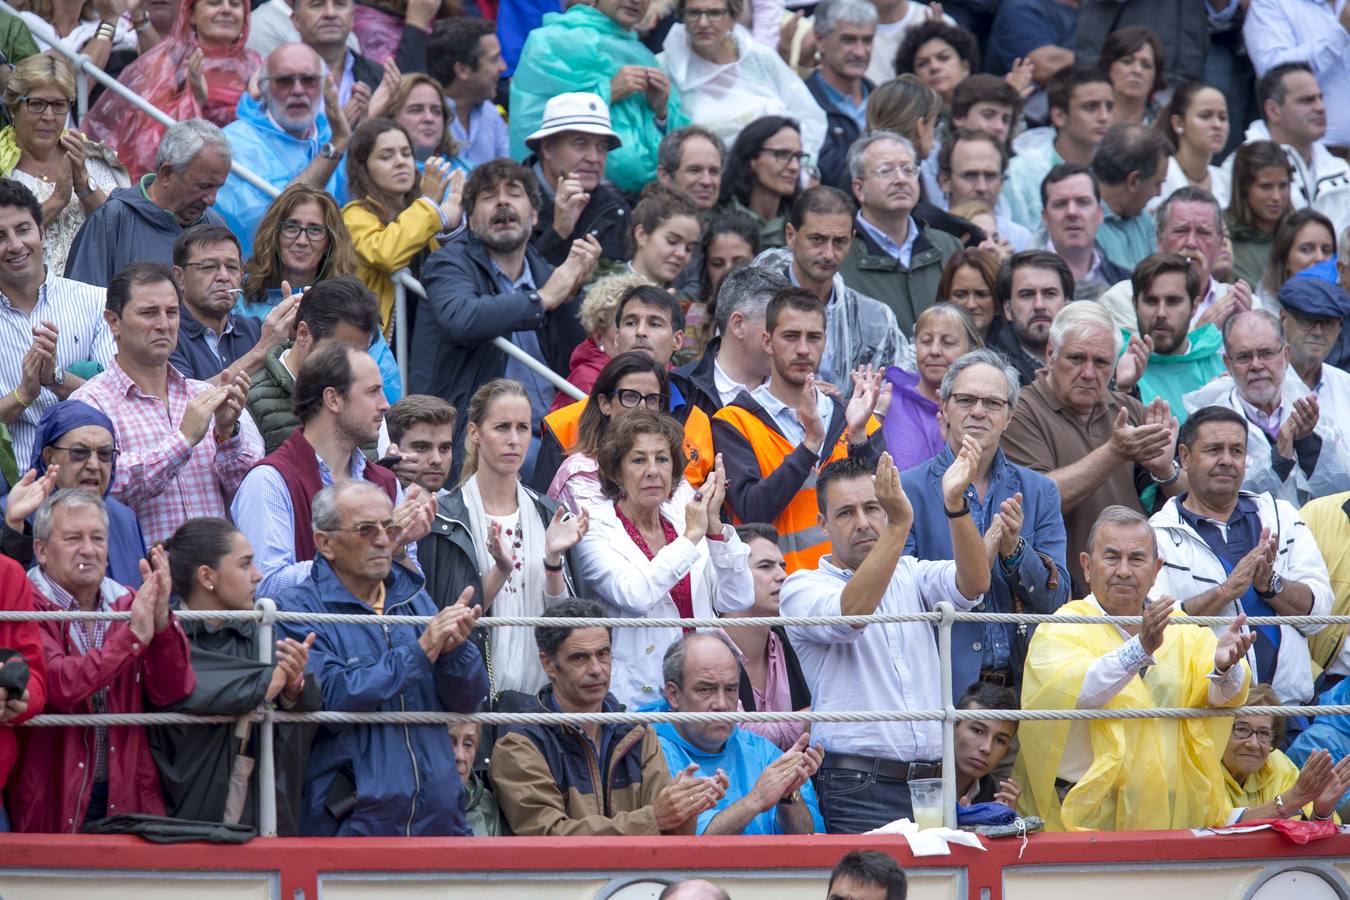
(940, 55)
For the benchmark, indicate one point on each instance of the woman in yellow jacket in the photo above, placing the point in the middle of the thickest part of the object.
(1263, 783)
(396, 215)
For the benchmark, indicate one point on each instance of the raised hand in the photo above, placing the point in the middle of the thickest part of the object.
(1313, 781)
(25, 497)
(1233, 644)
(1020, 76)
(197, 76)
(414, 514)
(569, 200)
(452, 205)
(72, 142)
(1301, 422)
(1132, 363)
(143, 605)
(809, 416)
(460, 619)
(436, 178)
(685, 797)
(1009, 518)
(1008, 792)
(337, 120)
(1337, 785)
(866, 392)
(993, 540)
(891, 494)
(503, 557)
(627, 81)
(779, 777)
(200, 411)
(564, 532)
(714, 491)
(1139, 443)
(1157, 615)
(657, 91)
(385, 90)
(13, 707)
(358, 104)
(960, 474)
(292, 657)
(1244, 573)
(280, 321)
(232, 406)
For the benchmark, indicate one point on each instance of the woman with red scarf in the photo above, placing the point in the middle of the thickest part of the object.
(644, 562)
(200, 69)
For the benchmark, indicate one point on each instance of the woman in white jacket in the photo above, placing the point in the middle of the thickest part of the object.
(727, 79)
(643, 562)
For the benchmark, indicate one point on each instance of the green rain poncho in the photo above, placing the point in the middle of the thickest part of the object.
(581, 50)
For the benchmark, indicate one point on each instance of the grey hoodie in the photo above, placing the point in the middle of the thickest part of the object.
(128, 227)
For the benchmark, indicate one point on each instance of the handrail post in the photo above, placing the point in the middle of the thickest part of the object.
(81, 95)
(948, 715)
(267, 774)
(401, 325)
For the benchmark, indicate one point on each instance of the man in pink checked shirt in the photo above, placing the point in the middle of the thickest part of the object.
(185, 445)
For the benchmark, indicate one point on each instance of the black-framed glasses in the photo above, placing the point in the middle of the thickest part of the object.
(82, 454)
(990, 404)
(37, 105)
(286, 82)
(1264, 736)
(783, 156)
(369, 531)
(210, 266)
(714, 16)
(630, 399)
(293, 229)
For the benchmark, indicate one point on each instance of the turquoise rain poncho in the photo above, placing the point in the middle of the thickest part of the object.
(581, 50)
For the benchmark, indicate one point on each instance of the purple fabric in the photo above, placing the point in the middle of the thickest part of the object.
(911, 425)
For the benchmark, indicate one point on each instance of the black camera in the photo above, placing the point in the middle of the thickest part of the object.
(13, 672)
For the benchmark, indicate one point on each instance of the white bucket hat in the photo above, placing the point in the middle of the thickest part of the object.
(578, 111)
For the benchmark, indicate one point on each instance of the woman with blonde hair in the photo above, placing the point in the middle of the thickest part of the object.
(943, 333)
(909, 108)
(419, 106)
(497, 536)
(68, 174)
(394, 215)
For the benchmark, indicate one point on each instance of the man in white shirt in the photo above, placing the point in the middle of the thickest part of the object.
(1316, 34)
(1115, 774)
(895, 18)
(863, 781)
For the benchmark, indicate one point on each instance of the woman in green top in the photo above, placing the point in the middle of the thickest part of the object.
(1260, 201)
(764, 175)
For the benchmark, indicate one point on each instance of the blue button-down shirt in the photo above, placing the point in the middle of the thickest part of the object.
(1127, 241)
(855, 111)
(902, 252)
(785, 416)
(974, 645)
(540, 389)
(487, 136)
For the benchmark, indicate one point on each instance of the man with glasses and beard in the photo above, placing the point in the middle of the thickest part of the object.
(283, 137)
(495, 284)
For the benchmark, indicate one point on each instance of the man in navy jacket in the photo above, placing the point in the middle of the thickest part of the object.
(381, 779)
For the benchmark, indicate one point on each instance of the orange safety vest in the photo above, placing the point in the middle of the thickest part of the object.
(800, 536)
(565, 424)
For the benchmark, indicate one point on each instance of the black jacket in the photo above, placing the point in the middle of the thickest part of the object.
(605, 216)
(841, 132)
(194, 761)
(452, 350)
(411, 57)
(699, 373)
(193, 356)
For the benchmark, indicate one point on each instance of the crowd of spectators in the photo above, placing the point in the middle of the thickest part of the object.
(1025, 307)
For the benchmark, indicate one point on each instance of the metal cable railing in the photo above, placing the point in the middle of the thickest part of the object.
(402, 279)
(266, 615)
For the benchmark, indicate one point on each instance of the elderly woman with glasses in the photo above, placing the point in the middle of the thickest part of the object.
(764, 176)
(68, 174)
(1263, 783)
(75, 447)
(727, 79)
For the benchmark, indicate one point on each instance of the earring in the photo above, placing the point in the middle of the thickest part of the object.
(210, 587)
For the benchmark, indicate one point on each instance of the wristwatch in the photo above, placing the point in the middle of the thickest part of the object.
(59, 379)
(89, 188)
(1176, 473)
(329, 151)
(791, 799)
(1276, 585)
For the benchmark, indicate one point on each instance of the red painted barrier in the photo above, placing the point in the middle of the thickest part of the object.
(299, 861)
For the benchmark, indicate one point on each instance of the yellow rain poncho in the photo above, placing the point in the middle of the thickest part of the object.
(1145, 773)
(1276, 777)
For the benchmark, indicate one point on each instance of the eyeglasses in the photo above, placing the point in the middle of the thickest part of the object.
(293, 229)
(783, 156)
(369, 531)
(886, 173)
(1265, 354)
(1312, 323)
(1264, 736)
(82, 454)
(630, 399)
(210, 266)
(990, 404)
(38, 106)
(286, 82)
(712, 15)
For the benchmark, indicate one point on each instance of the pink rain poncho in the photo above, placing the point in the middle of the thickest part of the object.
(160, 76)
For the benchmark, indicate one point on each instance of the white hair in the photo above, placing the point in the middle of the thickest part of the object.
(1080, 316)
(855, 12)
(183, 141)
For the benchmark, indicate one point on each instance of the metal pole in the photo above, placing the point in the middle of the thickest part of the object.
(267, 774)
(403, 277)
(401, 326)
(81, 97)
(949, 719)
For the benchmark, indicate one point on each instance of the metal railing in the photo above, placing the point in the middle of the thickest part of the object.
(266, 615)
(402, 279)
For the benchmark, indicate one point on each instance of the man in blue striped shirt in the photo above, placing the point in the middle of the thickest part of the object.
(48, 324)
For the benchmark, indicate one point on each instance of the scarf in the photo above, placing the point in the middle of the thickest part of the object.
(681, 593)
(515, 658)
